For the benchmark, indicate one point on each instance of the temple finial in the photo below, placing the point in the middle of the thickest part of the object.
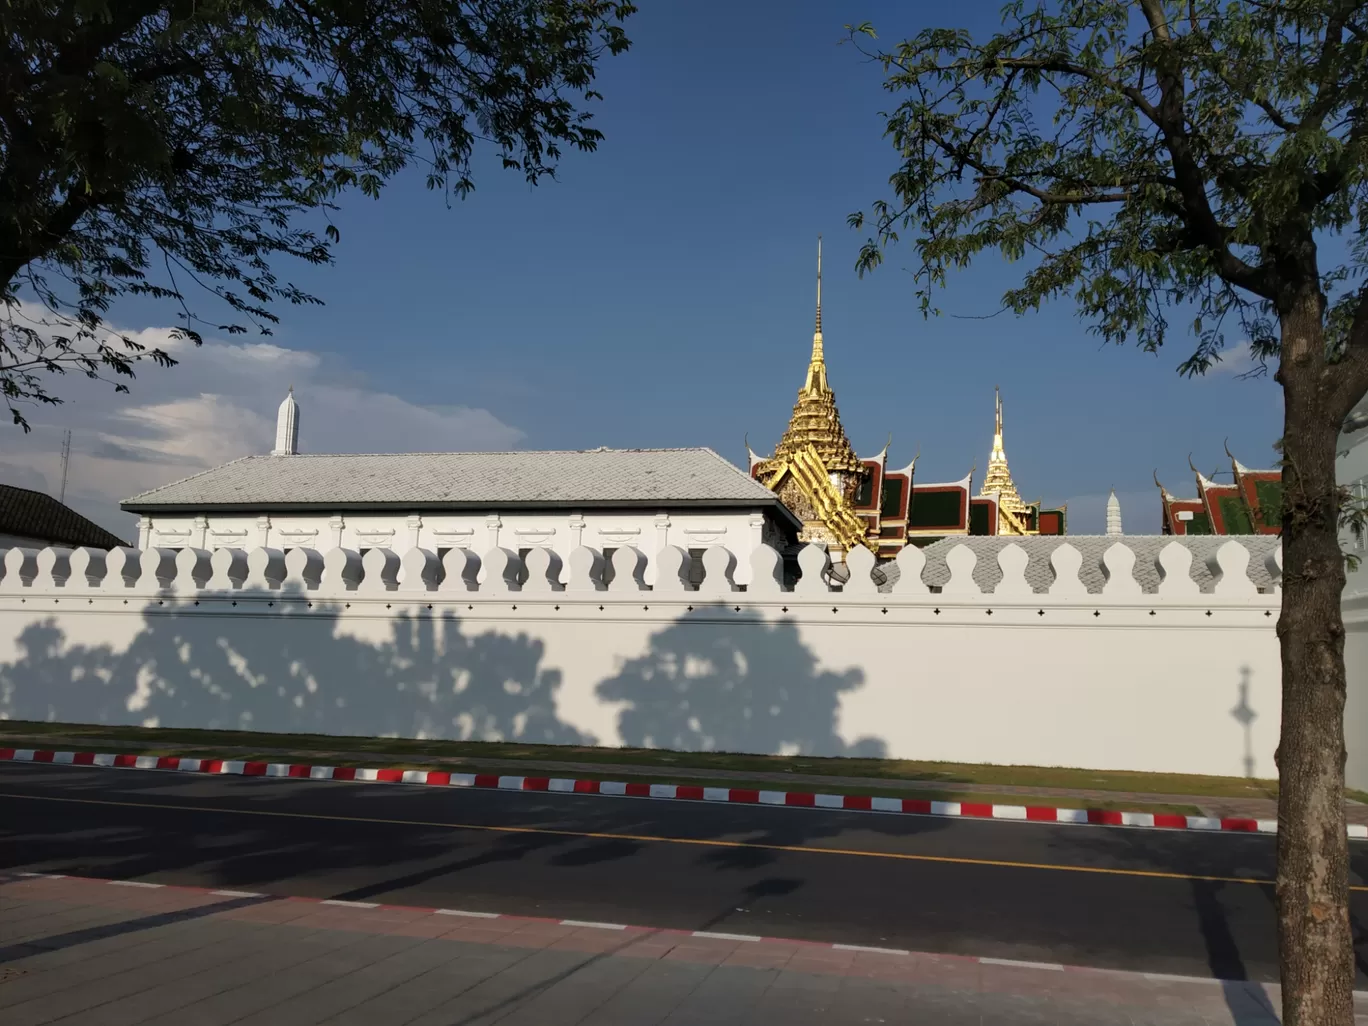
(819, 285)
(816, 376)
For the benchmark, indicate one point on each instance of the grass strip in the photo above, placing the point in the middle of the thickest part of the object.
(470, 753)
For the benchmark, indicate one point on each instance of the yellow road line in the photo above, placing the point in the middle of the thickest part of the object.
(656, 839)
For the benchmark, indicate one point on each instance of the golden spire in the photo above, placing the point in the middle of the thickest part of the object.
(816, 382)
(998, 478)
(815, 419)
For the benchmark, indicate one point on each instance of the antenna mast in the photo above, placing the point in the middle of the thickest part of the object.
(66, 462)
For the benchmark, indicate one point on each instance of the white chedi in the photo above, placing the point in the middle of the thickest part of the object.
(1113, 514)
(287, 427)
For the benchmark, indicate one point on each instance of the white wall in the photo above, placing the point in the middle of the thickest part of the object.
(9, 541)
(738, 530)
(1175, 679)
(1352, 470)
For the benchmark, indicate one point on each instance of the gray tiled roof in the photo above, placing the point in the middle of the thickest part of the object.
(595, 477)
(29, 514)
(1039, 573)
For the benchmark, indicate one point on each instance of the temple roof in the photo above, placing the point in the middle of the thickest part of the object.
(816, 421)
(489, 480)
(998, 478)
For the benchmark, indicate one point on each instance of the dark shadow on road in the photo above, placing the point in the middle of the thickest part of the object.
(1247, 1002)
(90, 934)
(706, 681)
(507, 848)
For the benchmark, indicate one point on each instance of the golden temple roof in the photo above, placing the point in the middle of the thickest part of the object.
(816, 422)
(998, 479)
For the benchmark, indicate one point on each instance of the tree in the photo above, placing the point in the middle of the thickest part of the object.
(1164, 160)
(149, 144)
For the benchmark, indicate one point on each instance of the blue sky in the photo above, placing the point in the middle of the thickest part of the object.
(661, 292)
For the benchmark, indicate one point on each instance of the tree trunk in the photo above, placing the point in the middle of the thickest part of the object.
(1315, 943)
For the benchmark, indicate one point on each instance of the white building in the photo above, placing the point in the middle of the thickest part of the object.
(603, 498)
(1352, 471)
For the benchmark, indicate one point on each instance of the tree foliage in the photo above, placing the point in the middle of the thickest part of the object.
(1147, 159)
(1164, 160)
(148, 145)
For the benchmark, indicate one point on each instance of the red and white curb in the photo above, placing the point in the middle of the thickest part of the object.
(678, 792)
(622, 929)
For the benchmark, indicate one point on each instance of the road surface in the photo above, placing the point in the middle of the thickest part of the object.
(1140, 901)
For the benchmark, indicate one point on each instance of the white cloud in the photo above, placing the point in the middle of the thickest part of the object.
(217, 404)
(1235, 360)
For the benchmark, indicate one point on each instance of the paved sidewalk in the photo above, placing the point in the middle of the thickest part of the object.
(1216, 807)
(83, 951)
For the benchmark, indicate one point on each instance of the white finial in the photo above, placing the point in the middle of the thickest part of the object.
(287, 427)
(1113, 514)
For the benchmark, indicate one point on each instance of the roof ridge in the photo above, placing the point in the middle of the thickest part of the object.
(468, 452)
(31, 491)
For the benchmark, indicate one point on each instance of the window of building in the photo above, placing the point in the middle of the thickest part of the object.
(890, 499)
(929, 510)
(979, 517)
(864, 495)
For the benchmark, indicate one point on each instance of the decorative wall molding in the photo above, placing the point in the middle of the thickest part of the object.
(709, 534)
(453, 538)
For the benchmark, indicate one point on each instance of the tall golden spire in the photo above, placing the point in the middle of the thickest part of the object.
(998, 478)
(816, 382)
(815, 419)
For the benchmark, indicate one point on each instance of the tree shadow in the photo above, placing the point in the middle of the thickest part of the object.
(306, 666)
(1246, 1001)
(295, 671)
(745, 686)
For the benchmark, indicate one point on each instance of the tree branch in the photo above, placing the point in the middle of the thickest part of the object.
(1197, 212)
(994, 174)
(1345, 380)
(1067, 67)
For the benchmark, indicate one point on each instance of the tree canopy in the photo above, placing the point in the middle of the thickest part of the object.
(1147, 159)
(148, 146)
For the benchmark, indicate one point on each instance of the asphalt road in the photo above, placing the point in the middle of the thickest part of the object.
(1152, 901)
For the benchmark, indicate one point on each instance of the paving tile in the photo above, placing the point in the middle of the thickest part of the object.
(125, 956)
(335, 994)
(250, 991)
(442, 987)
(179, 983)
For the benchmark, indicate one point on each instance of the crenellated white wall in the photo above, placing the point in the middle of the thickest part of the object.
(1168, 679)
(738, 530)
(1352, 471)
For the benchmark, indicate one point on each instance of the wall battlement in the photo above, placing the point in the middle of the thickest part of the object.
(1229, 572)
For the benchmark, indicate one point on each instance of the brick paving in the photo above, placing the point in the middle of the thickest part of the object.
(87, 951)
